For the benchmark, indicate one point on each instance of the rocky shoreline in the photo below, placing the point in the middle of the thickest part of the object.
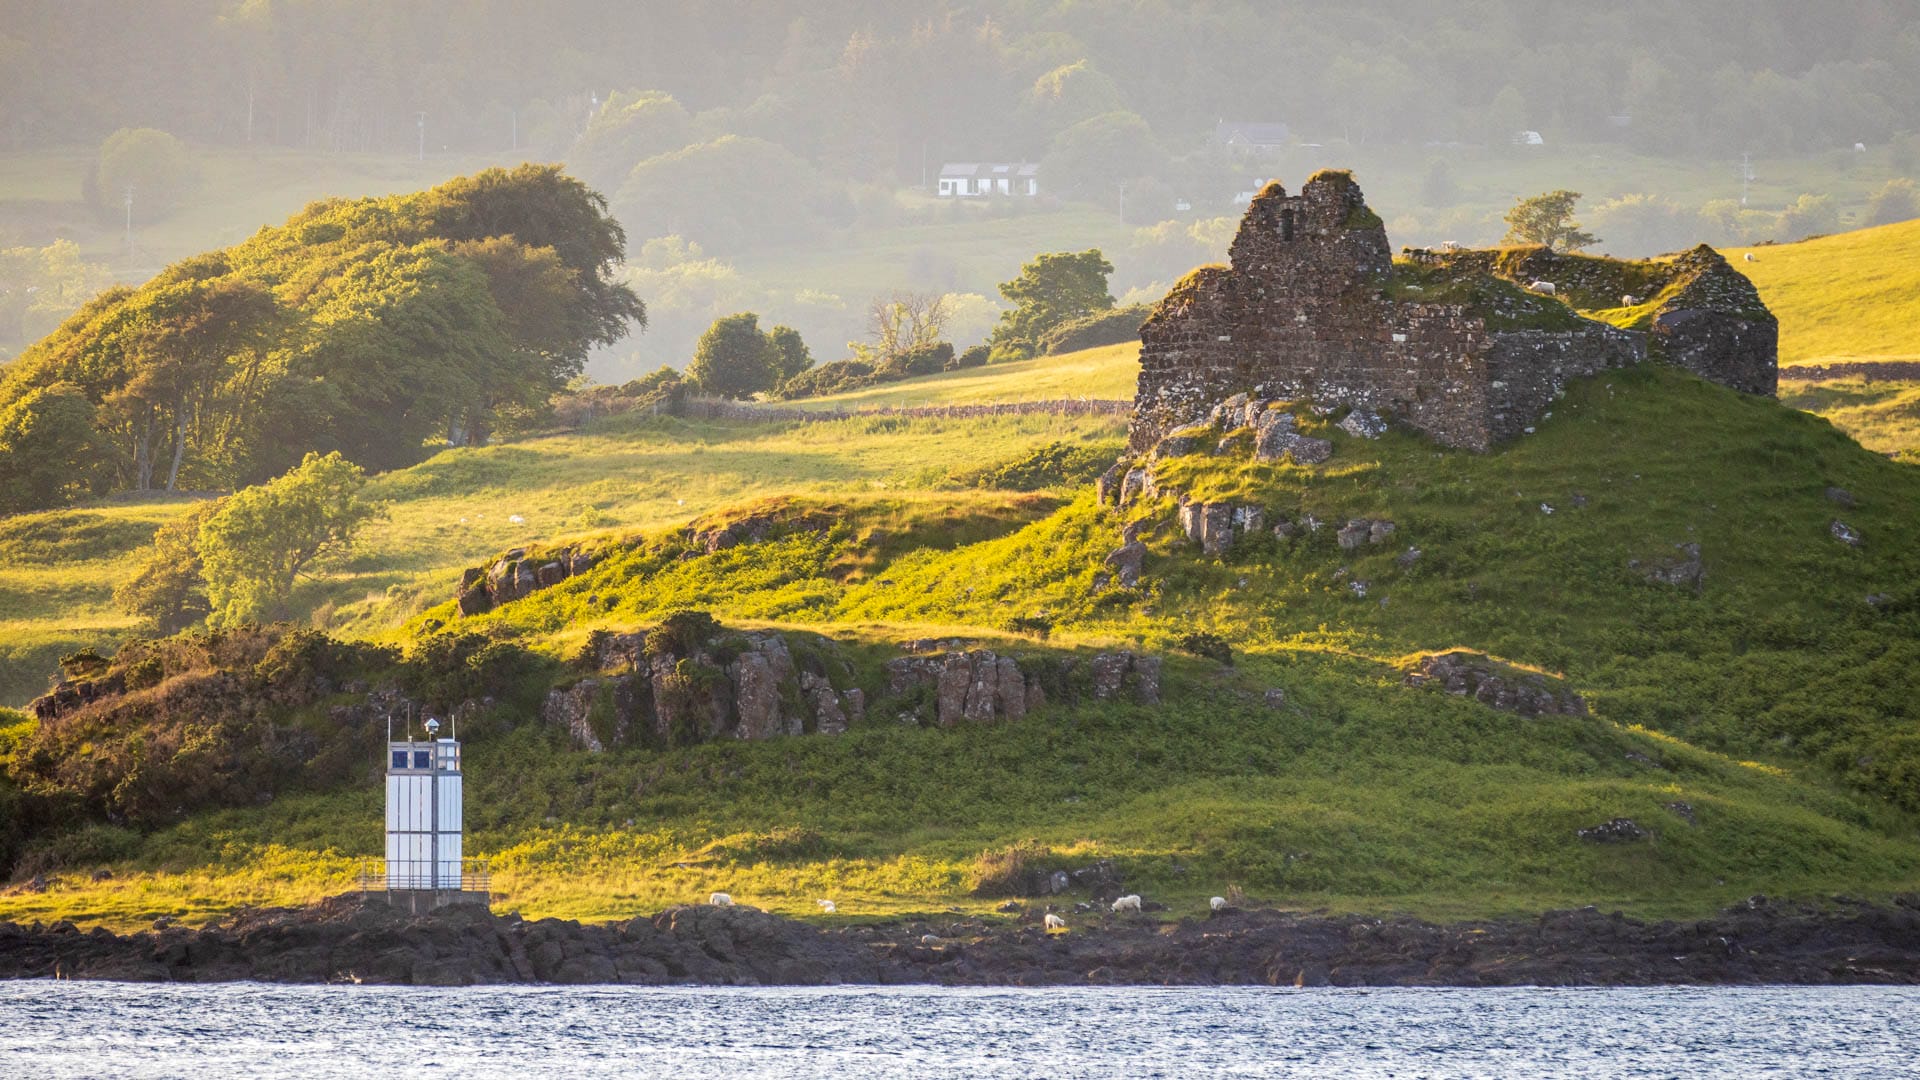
(348, 939)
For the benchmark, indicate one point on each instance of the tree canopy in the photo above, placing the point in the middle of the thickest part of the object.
(364, 326)
(1548, 220)
(257, 540)
(734, 359)
(1051, 290)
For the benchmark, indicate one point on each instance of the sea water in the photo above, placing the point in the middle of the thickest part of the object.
(93, 1029)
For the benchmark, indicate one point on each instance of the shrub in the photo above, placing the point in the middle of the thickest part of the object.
(1211, 646)
(837, 377)
(974, 356)
(1019, 870)
(681, 633)
(1050, 466)
(1114, 327)
(922, 360)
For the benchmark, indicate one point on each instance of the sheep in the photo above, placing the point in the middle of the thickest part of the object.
(720, 899)
(929, 939)
(826, 907)
(1544, 288)
(516, 519)
(1628, 299)
(1218, 903)
(1449, 245)
(1750, 257)
(1055, 922)
(1130, 902)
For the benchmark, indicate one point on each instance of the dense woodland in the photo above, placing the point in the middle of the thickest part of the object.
(859, 87)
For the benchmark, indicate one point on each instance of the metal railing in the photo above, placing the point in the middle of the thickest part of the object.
(377, 875)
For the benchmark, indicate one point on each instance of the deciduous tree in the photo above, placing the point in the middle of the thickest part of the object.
(1548, 220)
(259, 540)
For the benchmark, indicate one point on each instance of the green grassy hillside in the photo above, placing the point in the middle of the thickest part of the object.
(1776, 703)
(1854, 296)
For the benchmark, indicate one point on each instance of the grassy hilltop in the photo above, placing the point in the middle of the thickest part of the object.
(1762, 727)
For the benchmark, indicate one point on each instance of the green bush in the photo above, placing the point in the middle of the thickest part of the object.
(837, 377)
(1114, 327)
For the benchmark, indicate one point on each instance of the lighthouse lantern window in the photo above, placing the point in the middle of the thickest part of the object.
(399, 759)
(423, 759)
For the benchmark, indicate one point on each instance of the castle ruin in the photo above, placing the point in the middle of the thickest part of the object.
(1455, 344)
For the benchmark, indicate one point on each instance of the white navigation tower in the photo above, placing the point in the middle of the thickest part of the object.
(425, 867)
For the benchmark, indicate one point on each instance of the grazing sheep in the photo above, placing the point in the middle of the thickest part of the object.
(720, 899)
(1055, 922)
(1218, 903)
(826, 906)
(1628, 299)
(1449, 245)
(1544, 288)
(516, 519)
(1130, 902)
(929, 939)
(1750, 257)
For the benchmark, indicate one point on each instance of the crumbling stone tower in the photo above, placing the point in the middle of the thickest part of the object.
(1313, 308)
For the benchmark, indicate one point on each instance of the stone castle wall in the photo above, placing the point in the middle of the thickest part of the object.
(1303, 314)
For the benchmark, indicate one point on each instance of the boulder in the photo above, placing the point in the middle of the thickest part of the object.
(1106, 489)
(475, 600)
(1844, 533)
(1137, 484)
(1354, 533)
(1682, 571)
(1230, 413)
(1363, 424)
(1378, 531)
(549, 575)
(1184, 440)
(1617, 831)
(1216, 528)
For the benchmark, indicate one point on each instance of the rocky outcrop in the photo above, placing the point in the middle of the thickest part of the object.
(978, 686)
(518, 574)
(734, 686)
(1496, 685)
(349, 939)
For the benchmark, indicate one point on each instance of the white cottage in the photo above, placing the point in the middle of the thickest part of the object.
(973, 180)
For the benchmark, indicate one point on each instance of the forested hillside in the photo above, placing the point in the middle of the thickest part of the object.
(359, 326)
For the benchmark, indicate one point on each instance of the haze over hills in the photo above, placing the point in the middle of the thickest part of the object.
(904, 636)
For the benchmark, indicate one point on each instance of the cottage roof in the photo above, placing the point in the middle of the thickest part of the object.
(960, 170)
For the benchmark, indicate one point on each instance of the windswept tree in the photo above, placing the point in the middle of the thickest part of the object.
(254, 546)
(1051, 290)
(1548, 220)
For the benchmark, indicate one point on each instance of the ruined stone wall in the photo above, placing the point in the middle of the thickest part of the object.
(1525, 369)
(1303, 314)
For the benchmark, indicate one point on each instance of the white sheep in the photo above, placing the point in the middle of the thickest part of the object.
(929, 939)
(1449, 245)
(1628, 299)
(1055, 922)
(1130, 902)
(1544, 288)
(720, 899)
(826, 906)
(516, 519)
(1218, 903)
(1750, 257)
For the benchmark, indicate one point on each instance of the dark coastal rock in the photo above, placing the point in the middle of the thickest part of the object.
(347, 938)
(1616, 831)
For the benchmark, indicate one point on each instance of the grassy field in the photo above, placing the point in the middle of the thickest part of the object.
(1854, 296)
(1108, 373)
